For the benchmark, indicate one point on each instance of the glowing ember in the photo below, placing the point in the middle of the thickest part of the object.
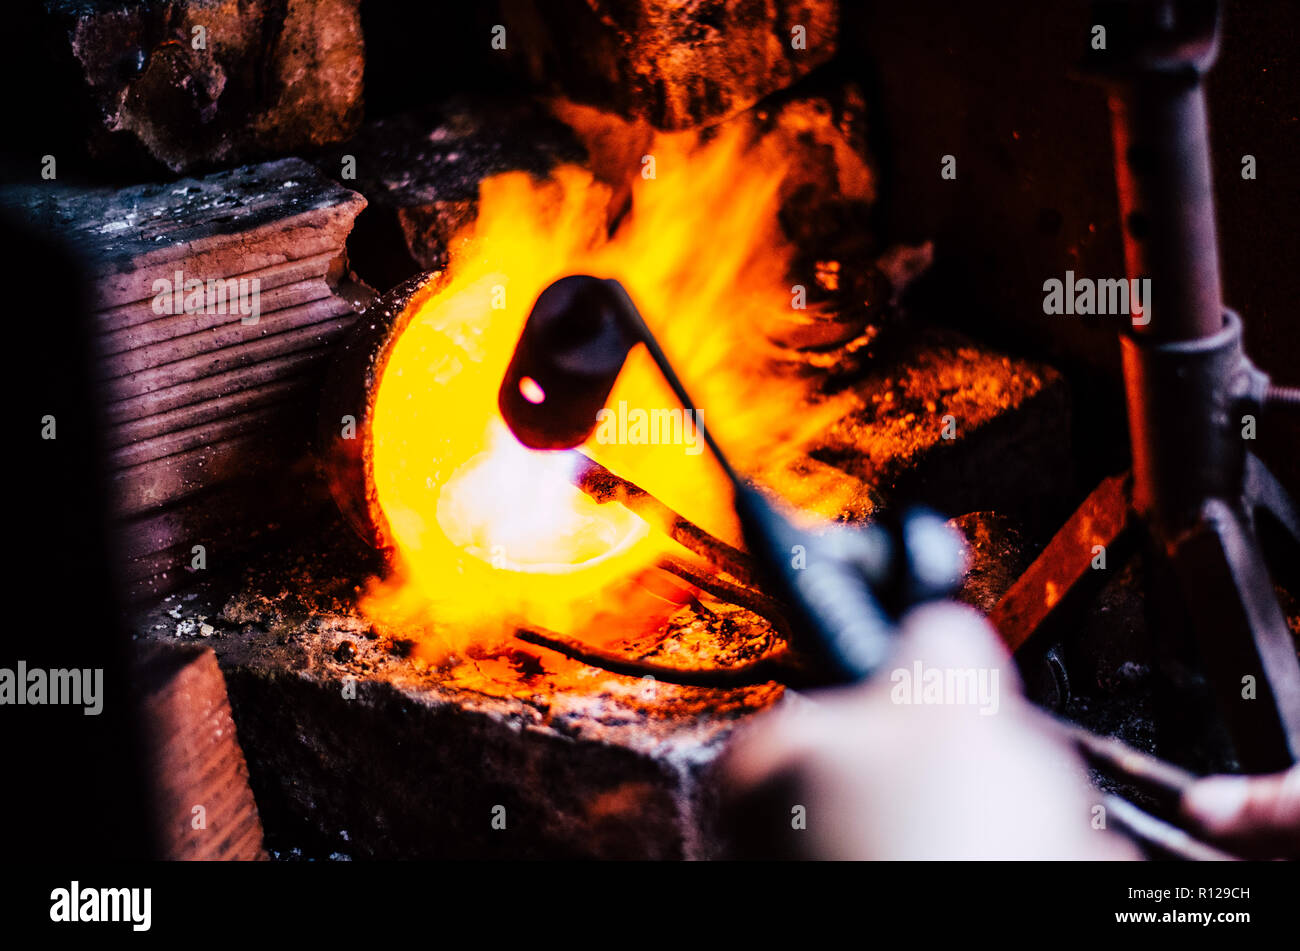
(488, 533)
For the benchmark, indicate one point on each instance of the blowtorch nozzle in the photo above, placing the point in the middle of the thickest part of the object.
(572, 348)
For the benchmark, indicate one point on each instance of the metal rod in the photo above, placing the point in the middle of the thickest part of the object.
(1162, 162)
(1166, 199)
(1170, 839)
(777, 666)
(751, 599)
(1117, 758)
(605, 486)
(636, 323)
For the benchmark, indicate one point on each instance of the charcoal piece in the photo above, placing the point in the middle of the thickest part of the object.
(193, 84)
(420, 173)
(960, 427)
(207, 423)
(820, 137)
(677, 66)
(228, 224)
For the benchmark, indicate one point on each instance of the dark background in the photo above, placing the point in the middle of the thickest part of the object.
(1035, 191)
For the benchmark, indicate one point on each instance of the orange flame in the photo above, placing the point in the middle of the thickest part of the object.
(487, 532)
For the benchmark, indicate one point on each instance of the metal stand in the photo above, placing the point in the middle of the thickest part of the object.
(1195, 495)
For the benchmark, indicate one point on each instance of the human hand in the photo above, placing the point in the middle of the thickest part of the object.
(880, 772)
(1253, 816)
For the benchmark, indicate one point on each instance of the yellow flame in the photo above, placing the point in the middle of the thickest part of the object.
(488, 532)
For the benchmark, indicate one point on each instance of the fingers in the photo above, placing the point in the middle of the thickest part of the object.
(1258, 815)
(947, 634)
(776, 744)
(937, 637)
